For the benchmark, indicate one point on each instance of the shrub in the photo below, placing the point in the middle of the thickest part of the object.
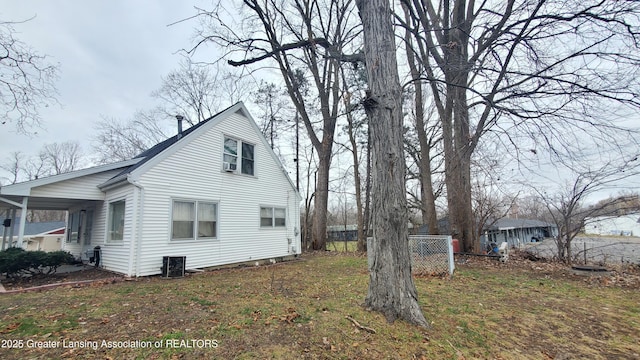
(17, 261)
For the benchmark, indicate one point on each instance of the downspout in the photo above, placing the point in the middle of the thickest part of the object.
(136, 239)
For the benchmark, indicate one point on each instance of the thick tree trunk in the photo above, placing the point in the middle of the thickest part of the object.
(319, 241)
(391, 288)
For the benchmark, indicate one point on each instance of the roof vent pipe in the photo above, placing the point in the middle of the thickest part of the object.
(179, 118)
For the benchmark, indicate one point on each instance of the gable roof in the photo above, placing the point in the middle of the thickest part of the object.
(133, 167)
(164, 149)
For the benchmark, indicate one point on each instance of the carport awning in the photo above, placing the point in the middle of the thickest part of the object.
(59, 192)
(41, 203)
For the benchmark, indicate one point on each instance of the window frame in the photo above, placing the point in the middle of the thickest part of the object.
(225, 153)
(110, 221)
(274, 223)
(195, 220)
(75, 220)
(241, 160)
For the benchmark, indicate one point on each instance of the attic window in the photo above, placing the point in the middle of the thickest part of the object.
(234, 150)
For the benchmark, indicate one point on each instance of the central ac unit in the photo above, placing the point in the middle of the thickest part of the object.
(229, 167)
(173, 266)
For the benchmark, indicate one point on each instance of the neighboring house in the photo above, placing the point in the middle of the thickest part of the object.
(342, 233)
(45, 236)
(517, 231)
(624, 225)
(215, 193)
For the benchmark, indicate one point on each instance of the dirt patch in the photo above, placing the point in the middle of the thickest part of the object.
(86, 273)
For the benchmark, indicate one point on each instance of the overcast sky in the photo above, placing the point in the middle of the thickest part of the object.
(112, 55)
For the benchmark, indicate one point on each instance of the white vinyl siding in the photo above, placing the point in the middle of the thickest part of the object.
(191, 174)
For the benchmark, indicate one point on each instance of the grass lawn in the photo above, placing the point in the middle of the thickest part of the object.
(299, 310)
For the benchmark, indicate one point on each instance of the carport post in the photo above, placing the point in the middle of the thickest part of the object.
(4, 232)
(23, 222)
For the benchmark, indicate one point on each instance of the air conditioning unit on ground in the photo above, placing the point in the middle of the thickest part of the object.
(229, 167)
(173, 266)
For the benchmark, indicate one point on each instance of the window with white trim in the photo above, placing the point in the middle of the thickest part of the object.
(193, 220)
(273, 217)
(115, 222)
(237, 151)
(74, 227)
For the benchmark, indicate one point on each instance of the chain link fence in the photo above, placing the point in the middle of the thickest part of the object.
(430, 254)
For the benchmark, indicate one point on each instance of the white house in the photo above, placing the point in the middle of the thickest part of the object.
(624, 225)
(215, 194)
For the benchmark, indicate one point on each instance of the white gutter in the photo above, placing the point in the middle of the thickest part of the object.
(136, 239)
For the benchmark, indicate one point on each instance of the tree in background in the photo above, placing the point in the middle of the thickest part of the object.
(26, 81)
(566, 204)
(391, 288)
(117, 140)
(305, 40)
(193, 91)
(541, 74)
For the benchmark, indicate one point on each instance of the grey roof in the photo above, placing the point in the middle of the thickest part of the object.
(36, 228)
(157, 149)
(509, 223)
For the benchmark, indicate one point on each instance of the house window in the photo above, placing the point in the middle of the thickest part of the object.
(115, 224)
(247, 159)
(184, 224)
(273, 217)
(231, 153)
(75, 226)
(234, 150)
(207, 215)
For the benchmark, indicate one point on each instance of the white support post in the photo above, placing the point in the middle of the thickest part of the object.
(23, 222)
(4, 231)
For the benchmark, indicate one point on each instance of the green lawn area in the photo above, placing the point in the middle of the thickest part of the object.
(299, 310)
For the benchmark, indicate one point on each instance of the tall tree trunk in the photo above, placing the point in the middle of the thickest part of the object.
(319, 241)
(362, 240)
(391, 288)
(367, 196)
(428, 202)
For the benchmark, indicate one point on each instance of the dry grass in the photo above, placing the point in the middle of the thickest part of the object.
(299, 310)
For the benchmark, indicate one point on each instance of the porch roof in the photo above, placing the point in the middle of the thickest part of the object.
(12, 196)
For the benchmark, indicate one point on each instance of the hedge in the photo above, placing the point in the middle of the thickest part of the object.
(17, 262)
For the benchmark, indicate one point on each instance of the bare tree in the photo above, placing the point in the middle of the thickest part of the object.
(13, 166)
(191, 91)
(391, 288)
(122, 140)
(270, 98)
(524, 69)
(26, 81)
(305, 41)
(566, 205)
(62, 157)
